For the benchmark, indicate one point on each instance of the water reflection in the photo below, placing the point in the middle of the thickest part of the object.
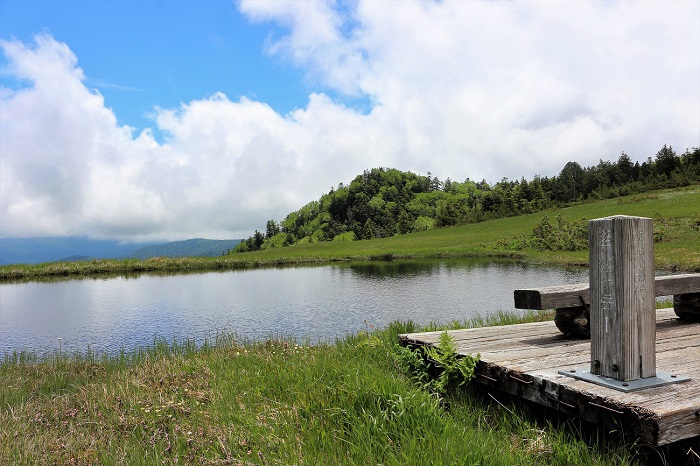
(106, 275)
(316, 303)
(432, 266)
(394, 268)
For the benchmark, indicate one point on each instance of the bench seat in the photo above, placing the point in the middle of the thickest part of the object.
(571, 301)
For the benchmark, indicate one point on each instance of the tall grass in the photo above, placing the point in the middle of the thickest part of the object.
(272, 402)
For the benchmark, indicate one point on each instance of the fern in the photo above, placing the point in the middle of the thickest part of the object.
(453, 370)
(415, 364)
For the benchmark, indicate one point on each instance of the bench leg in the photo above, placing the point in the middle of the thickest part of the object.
(687, 306)
(573, 322)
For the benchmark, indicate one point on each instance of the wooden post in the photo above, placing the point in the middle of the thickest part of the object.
(622, 304)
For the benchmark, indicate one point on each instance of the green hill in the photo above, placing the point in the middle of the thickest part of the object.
(384, 202)
(676, 222)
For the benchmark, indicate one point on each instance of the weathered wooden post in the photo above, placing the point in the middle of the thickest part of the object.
(622, 306)
(622, 301)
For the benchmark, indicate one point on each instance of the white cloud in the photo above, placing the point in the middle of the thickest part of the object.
(462, 89)
(317, 41)
(491, 89)
(225, 168)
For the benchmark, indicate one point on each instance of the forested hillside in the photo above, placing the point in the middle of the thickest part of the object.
(384, 202)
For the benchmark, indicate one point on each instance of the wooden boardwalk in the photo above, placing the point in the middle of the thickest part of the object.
(524, 360)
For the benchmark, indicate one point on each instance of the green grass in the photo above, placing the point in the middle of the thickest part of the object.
(270, 403)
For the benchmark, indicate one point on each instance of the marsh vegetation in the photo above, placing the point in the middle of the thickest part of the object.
(273, 402)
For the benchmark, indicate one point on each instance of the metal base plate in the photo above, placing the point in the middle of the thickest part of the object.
(662, 378)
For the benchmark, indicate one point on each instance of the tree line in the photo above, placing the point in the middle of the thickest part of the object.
(383, 202)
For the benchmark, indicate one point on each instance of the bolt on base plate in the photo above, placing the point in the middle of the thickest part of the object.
(662, 378)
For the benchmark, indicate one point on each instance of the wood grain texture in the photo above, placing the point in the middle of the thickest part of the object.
(552, 297)
(534, 353)
(622, 305)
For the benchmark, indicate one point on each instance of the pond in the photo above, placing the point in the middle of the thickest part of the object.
(309, 304)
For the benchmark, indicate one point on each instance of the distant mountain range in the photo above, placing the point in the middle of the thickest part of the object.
(49, 249)
(196, 247)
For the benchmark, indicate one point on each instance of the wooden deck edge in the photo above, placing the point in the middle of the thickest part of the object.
(572, 398)
(632, 421)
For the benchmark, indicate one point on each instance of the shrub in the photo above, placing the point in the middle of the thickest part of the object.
(345, 237)
(548, 235)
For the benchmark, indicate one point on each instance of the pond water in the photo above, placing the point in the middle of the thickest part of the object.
(310, 304)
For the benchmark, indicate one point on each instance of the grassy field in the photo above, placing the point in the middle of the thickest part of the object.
(675, 212)
(352, 402)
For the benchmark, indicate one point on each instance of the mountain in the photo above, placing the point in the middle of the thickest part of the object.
(77, 258)
(54, 248)
(71, 248)
(189, 248)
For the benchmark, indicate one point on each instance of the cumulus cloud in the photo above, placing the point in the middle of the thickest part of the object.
(225, 168)
(461, 89)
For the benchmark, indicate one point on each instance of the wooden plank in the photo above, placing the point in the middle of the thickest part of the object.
(527, 367)
(552, 297)
(536, 358)
(483, 333)
(677, 284)
(538, 335)
(561, 296)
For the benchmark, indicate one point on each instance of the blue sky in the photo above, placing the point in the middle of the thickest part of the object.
(145, 54)
(162, 120)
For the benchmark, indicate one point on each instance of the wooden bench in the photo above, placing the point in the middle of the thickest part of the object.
(571, 302)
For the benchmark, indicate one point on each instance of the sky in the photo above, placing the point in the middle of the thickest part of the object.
(150, 120)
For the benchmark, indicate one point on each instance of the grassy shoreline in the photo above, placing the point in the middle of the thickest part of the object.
(274, 402)
(674, 212)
